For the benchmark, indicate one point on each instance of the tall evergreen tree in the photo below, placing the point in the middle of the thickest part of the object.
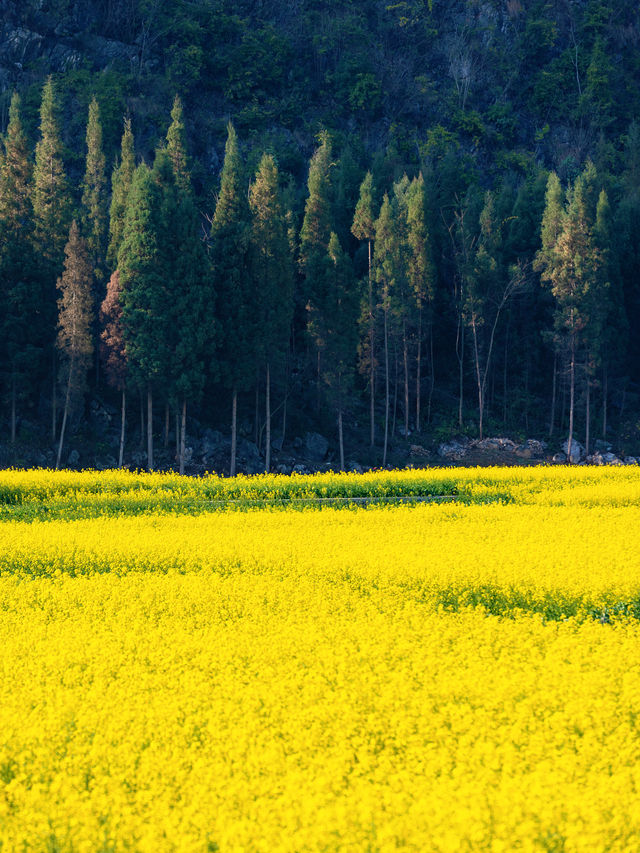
(112, 349)
(571, 268)
(22, 325)
(74, 340)
(143, 262)
(422, 279)
(51, 216)
(121, 180)
(177, 147)
(317, 223)
(50, 191)
(272, 275)
(191, 335)
(363, 228)
(386, 262)
(230, 232)
(94, 195)
(334, 329)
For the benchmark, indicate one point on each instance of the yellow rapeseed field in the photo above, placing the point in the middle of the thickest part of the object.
(180, 673)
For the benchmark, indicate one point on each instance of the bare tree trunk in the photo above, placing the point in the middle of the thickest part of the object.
(419, 369)
(234, 434)
(504, 378)
(142, 429)
(149, 429)
(123, 411)
(460, 353)
(341, 439)
(54, 413)
(176, 421)
(386, 388)
(166, 425)
(405, 359)
(395, 387)
(572, 395)
(432, 373)
(64, 416)
(256, 419)
(372, 370)
(587, 436)
(13, 410)
(480, 381)
(183, 433)
(605, 394)
(267, 449)
(553, 394)
(284, 416)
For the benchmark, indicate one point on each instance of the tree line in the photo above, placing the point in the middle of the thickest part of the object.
(427, 300)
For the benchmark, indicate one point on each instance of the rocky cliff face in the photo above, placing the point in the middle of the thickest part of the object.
(34, 33)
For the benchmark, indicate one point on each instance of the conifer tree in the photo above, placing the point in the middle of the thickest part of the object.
(571, 268)
(50, 192)
(112, 349)
(74, 339)
(363, 228)
(121, 180)
(422, 277)
(230, 258)
(272, 275)
(51, 217)
(94, 198)
(22, 329)
(386, 271)
(334, 329)
(143, 262)
(177, 147)
(191, 335)
(545, 259)
(317, 223)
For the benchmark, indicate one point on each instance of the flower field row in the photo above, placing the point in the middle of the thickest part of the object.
(45, 494)
(437, 677)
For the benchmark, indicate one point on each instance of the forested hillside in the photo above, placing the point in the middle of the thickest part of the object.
(386, 223)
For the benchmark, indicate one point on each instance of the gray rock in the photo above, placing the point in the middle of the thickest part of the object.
(419, 450)
(452, 450)
(577, 450)
(316, 446)
(105, 463)
(611, 459)
(559, 458)
(631, 460)
(213, 441)
(300, 469)
(495, 444)
(248, 452)
(355, 467)
(73, 458)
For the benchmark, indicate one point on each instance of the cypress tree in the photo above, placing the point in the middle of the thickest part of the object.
(363, 228)
(317, 223)
(94, 200)
(112, 348)
(177, 147)
(230, 236)
(22, 326)
(334, 329)
(385, 262)
(50, 192)
(74, 339)
(272, 275)
(51, 217)
(191, 336)
(143, 263)
(422, 277)
(121, 180)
